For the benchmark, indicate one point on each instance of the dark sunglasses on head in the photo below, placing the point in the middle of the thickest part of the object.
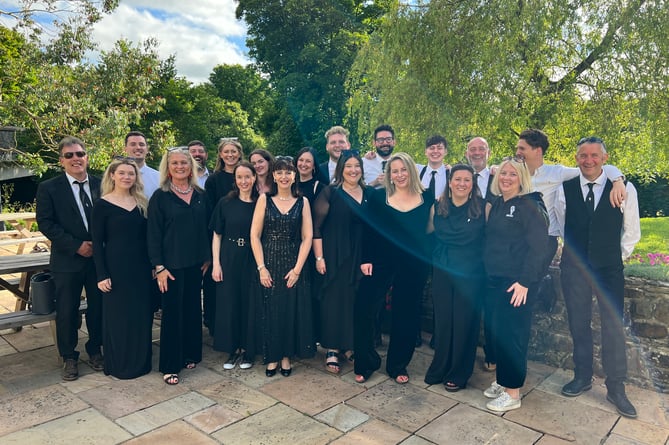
(517, 159)
(181, 148)
(70, 154)
(349, 153)
(590, 140)
(124, 158)
(284, 158)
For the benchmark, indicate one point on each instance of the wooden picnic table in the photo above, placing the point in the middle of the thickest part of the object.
(27, 265)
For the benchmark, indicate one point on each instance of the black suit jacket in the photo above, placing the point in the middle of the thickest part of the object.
(59, 220)
(325, 173)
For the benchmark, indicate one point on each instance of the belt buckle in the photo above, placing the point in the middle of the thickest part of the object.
(240, 242)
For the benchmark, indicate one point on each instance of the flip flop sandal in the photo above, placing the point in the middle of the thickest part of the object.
(332, 362)
(171, 379)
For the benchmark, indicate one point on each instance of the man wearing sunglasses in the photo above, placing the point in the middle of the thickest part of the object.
(64, 206)
(137, 148)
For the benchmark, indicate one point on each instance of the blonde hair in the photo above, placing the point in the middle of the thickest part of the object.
(137, 189)
(337, 130)
(164, 170)
(414, 181)
(220, 165)
(523, 175)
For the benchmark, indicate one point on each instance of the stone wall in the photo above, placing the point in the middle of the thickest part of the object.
(646, 319)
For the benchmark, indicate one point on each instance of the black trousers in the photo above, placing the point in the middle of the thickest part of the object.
(68, 287)
(181, 324)
(579, 283)
(511, 333)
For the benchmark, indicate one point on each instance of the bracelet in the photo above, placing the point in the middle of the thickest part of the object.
(319, 258)
(162, 269)
(261, 267)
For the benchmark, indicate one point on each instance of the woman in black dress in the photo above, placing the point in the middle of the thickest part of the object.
(232, 269)
(516, 241)
(458, 279)
(281, 234)
(180, 250)
(124, 270)
(395, 252)
(219, 184)
(338, 249)
(262, 161)
(308, 173)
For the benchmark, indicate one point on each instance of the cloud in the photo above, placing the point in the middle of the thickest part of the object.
(200, 33)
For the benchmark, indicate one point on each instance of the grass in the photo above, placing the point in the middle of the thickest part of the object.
(654, 240)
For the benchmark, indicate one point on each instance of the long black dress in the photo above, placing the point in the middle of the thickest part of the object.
(234, 327)
(458, 285)
(120, 253)
(337, 220)
(286, 315)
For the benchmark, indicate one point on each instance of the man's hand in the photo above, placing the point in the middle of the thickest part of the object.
(86, 249)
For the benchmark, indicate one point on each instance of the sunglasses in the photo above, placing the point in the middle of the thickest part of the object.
(349, 153)
(284, 158)
(124, 159)
(517, 159)
(181, 148)
(221, 140)
(71, 154)
(590, 140)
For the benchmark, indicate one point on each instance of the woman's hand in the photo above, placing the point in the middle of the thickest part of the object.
(291, 278)
(265, 277)
(366, 269)
(217, 273)
(519, 296)
(162, 278)
(204, 267)
(105, 285)
(320, 266)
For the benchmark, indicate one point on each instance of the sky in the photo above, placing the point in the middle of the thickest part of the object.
(200, 33)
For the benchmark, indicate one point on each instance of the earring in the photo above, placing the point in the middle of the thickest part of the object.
(391, 182)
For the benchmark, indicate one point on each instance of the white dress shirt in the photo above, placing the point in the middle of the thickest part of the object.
(440, 181)
(548, 178)
(202, 179)
(631, 232)
(373, 168)
(332, 165)
(482, 181)
(75, 190)
(150, 178)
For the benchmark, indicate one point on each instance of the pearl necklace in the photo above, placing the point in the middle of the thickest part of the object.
(280, 198)
(178, 190)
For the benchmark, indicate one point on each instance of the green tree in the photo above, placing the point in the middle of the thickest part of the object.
(495, 68)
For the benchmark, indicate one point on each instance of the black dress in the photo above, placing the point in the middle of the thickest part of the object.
(120, 253)
(457, 290)
(285, 313)
(337, 220)
(234, 327)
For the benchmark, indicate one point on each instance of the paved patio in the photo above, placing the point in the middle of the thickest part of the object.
(212, 405)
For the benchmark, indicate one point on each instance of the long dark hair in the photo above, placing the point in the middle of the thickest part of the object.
(317, 168)
(475, 200)
(284, 163)
(234, 193)
(341, 162)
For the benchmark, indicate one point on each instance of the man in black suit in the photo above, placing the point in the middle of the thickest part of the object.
(64, 206)
(337, 140)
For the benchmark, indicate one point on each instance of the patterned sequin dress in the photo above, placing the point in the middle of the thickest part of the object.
(286, 318)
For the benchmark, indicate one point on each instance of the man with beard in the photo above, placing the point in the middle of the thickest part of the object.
(137, 148)
(337, 140)
(199, 153)
(384, 142)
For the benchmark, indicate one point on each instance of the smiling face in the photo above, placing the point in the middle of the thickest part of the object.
(590, 158)
(244, 179)
(435, 154)
(136, 147)
(284, 178)
(305, 164)
(124, 177)
(335, 144)
(199, 154)
(384, 142)
(533, 156)
(509, 180)
(179, 167)
(399, 174)
(230, 156)
(260, 164)
(461, 184)
(74, 160)
(478, 153)
(352, 172)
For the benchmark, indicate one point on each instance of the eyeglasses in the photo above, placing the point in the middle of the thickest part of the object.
(349, 153)
(70, 154)
(386, 140)
(590, 140)
(124, 158)
(517, 159)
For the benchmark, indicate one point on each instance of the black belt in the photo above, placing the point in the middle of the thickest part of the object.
(241, 242)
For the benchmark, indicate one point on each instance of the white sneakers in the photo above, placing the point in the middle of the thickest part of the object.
(503, 403)
(494, 391)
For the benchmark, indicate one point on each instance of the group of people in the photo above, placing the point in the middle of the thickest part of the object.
(286, 253)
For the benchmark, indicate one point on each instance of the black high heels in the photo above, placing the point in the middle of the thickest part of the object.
(286, 372)
(272, 372)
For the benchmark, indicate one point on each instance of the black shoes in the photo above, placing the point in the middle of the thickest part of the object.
(622, 404)
(96, 362)
(576, 387)
(286, 372)
(70, 370)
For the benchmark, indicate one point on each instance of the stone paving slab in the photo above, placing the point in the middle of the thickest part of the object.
(465, 425)
(416, 440)
(213, 418)
(83, 427)
(405, 406)
(5, 347)
(38, 406)
(342, 417)
(373, 432)
(238, 398)
(641, 431)
(163, 413)
(277, 425)
(118, 398)
(326, 390)
(177, 432)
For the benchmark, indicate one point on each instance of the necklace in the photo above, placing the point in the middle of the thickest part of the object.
(178, 190)
(281, 198)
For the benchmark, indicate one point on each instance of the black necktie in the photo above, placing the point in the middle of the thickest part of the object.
(85, 201)
(383, 166)
(431, 185)
(590, 199)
